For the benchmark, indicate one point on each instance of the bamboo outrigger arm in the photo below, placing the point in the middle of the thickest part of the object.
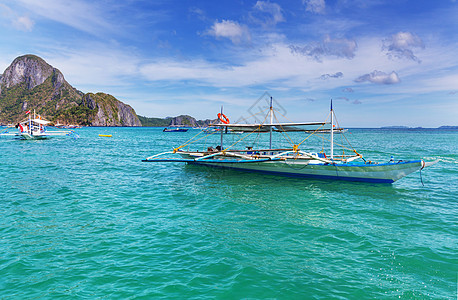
(354, 158)
(157, 155)
(305, 154)
(208, 156)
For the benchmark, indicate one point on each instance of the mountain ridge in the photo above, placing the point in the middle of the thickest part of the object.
(182, 120)
(31, 83)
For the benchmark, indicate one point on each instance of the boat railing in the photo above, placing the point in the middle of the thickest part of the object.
(256, 154)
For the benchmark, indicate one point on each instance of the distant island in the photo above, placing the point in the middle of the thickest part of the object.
(183, 120)
(394, 127)
(31, 84)
(407, 127)
(448, 127)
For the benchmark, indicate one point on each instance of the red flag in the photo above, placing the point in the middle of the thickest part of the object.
(27, 112)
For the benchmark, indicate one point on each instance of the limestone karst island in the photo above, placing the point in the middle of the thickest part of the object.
(30, 83)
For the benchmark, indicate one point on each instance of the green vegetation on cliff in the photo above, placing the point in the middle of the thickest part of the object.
(80, 115)
(30, 83)
(182, 120)
(110, 111)
(44, 99)
(154, 122)
(108, 104)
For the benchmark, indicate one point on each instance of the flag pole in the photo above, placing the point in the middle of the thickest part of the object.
(332, 132)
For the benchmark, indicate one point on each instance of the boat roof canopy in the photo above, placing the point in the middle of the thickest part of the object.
(38, 121)
(283, 127)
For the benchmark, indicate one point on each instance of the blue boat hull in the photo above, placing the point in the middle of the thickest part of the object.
(377, 173)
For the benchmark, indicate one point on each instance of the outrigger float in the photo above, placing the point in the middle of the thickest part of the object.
(36, 128)
(291, 161)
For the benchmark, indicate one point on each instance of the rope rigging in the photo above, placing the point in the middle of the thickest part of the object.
(283, 131)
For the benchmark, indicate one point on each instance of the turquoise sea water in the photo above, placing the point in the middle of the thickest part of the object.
(85, 218)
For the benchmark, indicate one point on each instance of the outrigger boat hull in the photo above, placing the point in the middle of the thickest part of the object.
(28, 136)
(386, 173)
(363, 172)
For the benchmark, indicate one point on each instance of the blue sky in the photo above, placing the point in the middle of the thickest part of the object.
(382, 62)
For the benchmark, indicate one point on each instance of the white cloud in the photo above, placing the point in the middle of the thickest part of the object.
(107, 66)
(401, 44)
(268, 13)
(84, 16)
(5, 11)
(442, 82)
(111, 68)
(274, 66)
(348, 100)
(199, 13)
(174, 70)
(315, 6)
(327, 76)
(343, 98)
(23, 23)
(230, 29)
(380, 78)
(95, 67)
(328, 47)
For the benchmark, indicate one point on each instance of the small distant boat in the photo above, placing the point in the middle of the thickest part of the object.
(105, 135)
(292, 160)
(67, 126)
(35, 128)
(175, 129)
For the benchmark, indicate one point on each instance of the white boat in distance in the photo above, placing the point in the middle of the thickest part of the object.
(35, 128)
(293, 161)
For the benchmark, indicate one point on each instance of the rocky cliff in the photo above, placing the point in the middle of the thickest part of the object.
(109, 111)
(30, 83)
(31, 70)
(185, 120)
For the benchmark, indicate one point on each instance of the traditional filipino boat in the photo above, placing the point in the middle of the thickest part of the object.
(35, 128)
(175, 129)
(292, 160)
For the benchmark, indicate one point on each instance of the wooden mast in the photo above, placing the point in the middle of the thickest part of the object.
(332, 132)
(221, 145)
(271, 122)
